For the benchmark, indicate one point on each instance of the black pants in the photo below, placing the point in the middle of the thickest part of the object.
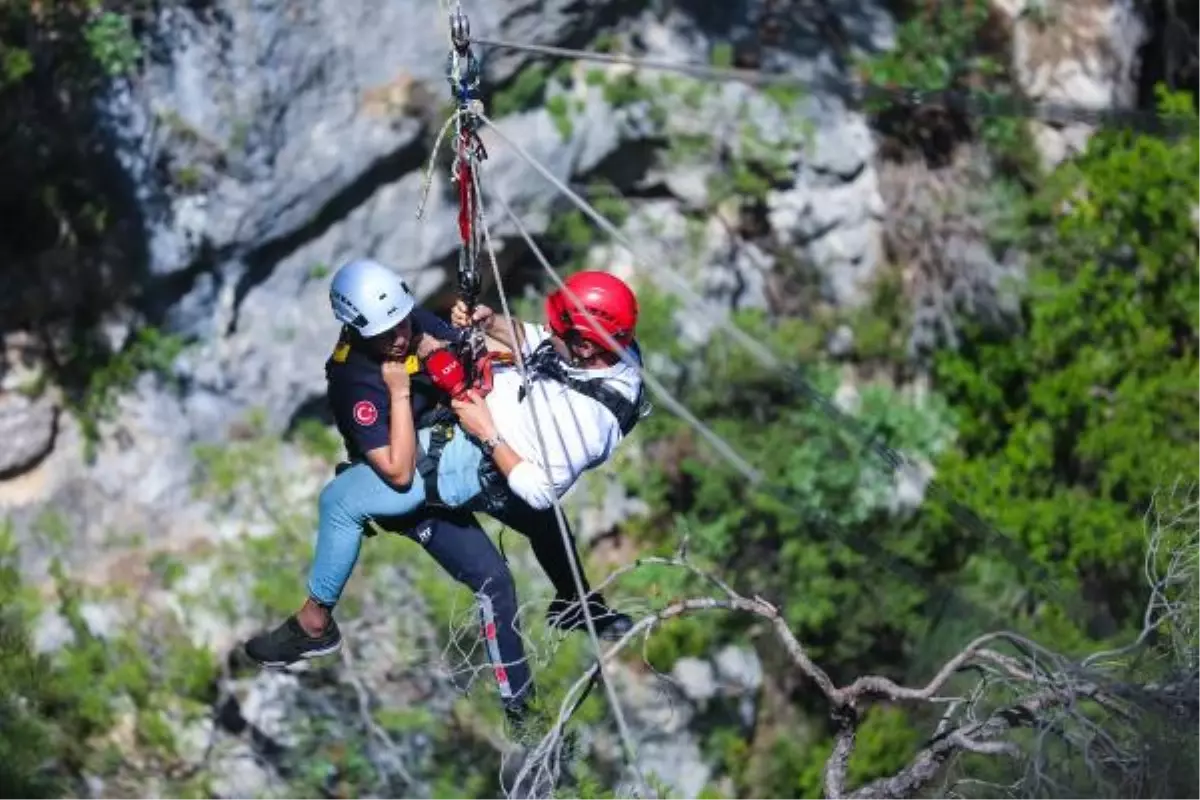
(459, 544)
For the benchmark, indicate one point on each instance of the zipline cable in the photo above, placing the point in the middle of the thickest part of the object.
(794, 377)
(787, 496)
(861, 93)
(463, 74)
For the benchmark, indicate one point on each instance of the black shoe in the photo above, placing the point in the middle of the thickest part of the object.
(568, 615)
(290, 643)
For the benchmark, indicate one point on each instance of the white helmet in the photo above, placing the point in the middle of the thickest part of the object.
(369, 297)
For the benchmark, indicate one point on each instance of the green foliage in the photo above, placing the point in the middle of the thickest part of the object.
(109, 374)
(833, 496)
(948, 45)
(58, 708)
(246, 474)
(525, 91)
(320, 440)
(573, 232)
(722, 55)
(1069, 428)
(58, 196)
(559, 108)
(109, 36)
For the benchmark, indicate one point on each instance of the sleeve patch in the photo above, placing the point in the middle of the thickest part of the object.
(365, 413)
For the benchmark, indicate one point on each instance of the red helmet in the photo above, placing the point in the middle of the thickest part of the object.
(611, 303)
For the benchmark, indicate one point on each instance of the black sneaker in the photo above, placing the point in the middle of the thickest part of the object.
(567, 615)
(290, 643)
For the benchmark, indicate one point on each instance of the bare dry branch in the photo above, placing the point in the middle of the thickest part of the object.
(1091, 709)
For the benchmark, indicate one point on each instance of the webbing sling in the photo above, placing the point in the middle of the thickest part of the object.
(545, 362)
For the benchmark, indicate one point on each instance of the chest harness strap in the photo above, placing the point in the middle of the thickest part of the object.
(546, 363)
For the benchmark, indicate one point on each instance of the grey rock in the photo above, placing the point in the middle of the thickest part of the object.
(612, 505)
(841, 341)
(139, 485)
(659, 715)
(689, 183)
(832, 215)
(238, 771)
(51, 632)
(269, 700)
(696, 679)
(27, 429)
(1075, 52)
(678, 763)
(739, 668)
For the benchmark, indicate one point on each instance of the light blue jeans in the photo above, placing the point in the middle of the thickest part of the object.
(350, 499)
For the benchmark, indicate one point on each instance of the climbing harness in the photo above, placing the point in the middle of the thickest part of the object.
(463, 73)
(546, 363)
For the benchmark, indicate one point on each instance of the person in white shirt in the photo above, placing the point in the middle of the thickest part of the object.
(583, 397)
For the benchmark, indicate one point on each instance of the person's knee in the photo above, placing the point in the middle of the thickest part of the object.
(335, 504)
(330, 499)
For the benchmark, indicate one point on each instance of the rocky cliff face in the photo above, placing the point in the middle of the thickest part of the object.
(270, 141)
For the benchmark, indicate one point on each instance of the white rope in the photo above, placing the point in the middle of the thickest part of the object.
(679, 283)
(857, 91)
(723, 447)
(427, 181)
(560, 518)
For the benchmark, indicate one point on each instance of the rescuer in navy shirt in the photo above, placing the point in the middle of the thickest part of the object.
(360, 400)
(358, 396)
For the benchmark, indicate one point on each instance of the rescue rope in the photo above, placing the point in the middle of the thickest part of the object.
(559, 515)
(961, 513)
(860, 93)
(463, 74)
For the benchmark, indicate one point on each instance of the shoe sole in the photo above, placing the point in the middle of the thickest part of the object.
(311, 654)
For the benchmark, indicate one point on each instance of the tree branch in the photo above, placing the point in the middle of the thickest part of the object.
(1044, 690)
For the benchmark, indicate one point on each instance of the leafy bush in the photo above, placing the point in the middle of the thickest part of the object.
(1068, 428)
(59, 708)
(948, 46)
(800, 544)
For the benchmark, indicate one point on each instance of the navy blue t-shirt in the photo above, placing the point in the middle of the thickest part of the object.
(359, 398)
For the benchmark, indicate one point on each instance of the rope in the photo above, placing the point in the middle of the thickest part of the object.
(860, 92)
(865, 544)
(473, 224)
(719, 444)
(427, 181)
(559, 516)
(794, 377)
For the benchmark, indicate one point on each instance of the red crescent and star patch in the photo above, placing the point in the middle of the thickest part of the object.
(365, 413)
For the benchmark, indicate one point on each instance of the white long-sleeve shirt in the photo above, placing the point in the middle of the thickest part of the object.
(579, 432)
